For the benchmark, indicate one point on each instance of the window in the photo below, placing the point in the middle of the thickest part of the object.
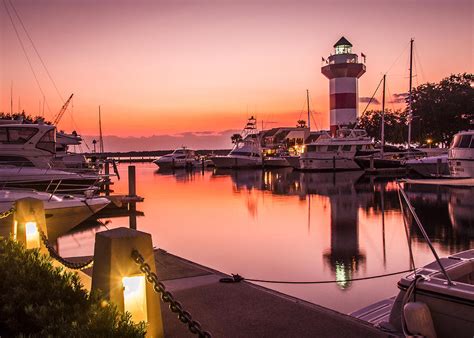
(17, 161)
(346, 147)
(465, 141)
(16, 135)
(343, 49)
(47, 141)
(333, 148)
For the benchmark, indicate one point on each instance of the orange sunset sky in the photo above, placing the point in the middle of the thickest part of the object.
(166, 67)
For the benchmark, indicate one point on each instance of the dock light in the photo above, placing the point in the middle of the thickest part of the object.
(429, 141)
(119, 278)
(28, 222)
(32, 235)
(134, 297)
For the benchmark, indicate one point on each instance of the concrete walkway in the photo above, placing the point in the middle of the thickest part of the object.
(244, 309)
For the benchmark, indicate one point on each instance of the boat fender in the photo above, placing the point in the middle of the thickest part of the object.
(418, 319)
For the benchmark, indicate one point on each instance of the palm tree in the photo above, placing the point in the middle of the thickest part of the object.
(236, 138)
(301, 123)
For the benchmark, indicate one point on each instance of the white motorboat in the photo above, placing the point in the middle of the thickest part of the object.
(461, 155)
(247, 151)
(430, 166)
(181, 158)
(46, 179)
(62, 212)
(275, 162)
(436, 300)
(336, 153)
(245, 154)
(27, 145)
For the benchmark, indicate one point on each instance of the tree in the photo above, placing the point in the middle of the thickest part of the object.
(236, 138)
(442, 109)
(301, 123)
(395, 125)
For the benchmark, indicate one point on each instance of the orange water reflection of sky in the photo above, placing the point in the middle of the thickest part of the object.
(161, 67)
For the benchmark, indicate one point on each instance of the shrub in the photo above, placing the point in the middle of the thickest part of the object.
(38, 299)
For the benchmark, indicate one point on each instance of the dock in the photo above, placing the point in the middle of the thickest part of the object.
(244, 309)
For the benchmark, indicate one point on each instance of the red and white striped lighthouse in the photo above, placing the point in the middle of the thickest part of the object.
(343, 70)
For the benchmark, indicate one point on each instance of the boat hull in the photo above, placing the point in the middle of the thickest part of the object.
(328, 164)
(461, 168)
(235, 162)
(275, 162)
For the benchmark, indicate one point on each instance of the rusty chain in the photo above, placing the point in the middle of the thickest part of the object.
(68, 264)
(7, 213)
(167, 297)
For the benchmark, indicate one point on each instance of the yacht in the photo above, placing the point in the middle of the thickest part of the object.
(247, 151)
(461, 155)
(181, 158)
(27, 145)
(67, 160)
(245, 154)
(430, 166)
(338, 152)
(62, 212)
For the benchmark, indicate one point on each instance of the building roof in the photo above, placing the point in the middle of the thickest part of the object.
(342, 42)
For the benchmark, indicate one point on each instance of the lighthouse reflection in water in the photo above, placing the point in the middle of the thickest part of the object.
(294, 226)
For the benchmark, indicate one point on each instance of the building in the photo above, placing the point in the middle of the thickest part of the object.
(343, 71)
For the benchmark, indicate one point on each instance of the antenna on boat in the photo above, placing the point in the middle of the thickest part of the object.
(309, 112)
(101, 140)
(382, 137)
(423, 231)
(410, 114)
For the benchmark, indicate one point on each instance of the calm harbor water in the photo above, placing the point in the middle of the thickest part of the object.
(293, 226)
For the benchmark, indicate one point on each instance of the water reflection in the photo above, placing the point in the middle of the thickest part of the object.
(284, 224)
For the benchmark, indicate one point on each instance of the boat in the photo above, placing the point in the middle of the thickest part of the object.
(275, 162)
(47, 179)
(337, 152)
(27, 145)
(390, 158)
(430, 166)
(436, 300)
(247, 151)
(62, 212)
(461, 155)
(181, 158)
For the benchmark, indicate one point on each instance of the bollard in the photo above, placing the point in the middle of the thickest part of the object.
(27, 222)
(371, 162)
(438, 167)
(132, 188)
(120, 280)
(107, 177)
(334, 163)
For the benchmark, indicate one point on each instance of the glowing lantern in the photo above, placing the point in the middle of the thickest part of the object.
(28, 221)
(134, 297)
(120, 280)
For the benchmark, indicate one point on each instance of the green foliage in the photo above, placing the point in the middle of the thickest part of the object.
(236, 138)
(22, 115)
(395, 125)
(442, 109)
(301, 123)
(38, 299)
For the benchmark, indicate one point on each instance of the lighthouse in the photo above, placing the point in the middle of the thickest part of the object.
(343, 71)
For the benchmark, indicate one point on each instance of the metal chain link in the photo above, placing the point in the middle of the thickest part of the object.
(68, 264)
(7, 213)
(167, 297)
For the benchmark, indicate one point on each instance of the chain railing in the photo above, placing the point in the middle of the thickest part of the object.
(7, 213)
(68, 264)
(167, 297)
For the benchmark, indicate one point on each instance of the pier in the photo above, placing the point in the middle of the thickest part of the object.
(244, 309)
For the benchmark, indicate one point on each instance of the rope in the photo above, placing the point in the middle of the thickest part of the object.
(237, 278)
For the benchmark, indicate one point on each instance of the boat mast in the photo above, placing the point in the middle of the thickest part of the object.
(382, 138)
(11, 98)
(309, 112)
(101, 141)
(410, 114)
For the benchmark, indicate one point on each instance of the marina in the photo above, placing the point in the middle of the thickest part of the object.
(179, 191)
